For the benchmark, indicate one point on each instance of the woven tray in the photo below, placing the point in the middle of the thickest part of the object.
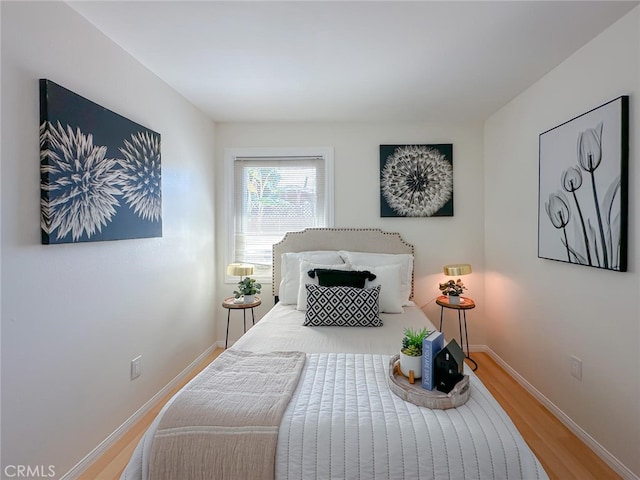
(414, 393)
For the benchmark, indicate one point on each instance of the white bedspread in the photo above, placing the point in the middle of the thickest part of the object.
(343, 422)
(281, 329)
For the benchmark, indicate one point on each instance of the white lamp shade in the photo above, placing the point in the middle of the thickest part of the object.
(239, 269)
(457, 269)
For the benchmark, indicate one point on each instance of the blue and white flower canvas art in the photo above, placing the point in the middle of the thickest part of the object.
(416, 180)
(582, 196)
(100, 173)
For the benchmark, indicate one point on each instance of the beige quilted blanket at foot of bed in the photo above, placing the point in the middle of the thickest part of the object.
(224, 423)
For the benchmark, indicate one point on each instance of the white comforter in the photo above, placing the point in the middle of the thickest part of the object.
(343, 422)
(281, 329)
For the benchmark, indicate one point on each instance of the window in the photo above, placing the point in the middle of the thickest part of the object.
(273, 191)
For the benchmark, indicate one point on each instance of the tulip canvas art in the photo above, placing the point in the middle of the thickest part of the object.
(416, 180)
(100, 173)
(582, 195)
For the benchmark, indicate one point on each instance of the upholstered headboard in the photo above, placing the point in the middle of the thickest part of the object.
(372, 240)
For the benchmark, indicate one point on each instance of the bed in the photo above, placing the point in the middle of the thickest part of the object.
(338, 419)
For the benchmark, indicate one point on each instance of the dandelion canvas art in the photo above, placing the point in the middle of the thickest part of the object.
(416, 180)
(100, 173)
(582, 197)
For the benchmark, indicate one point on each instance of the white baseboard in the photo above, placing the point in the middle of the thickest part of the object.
(598, 449)
(92, 456)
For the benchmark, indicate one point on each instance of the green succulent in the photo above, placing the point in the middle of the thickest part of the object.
(412, 351)
(412, 341)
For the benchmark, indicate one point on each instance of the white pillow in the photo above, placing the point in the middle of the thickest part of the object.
(380, 259)
(388, 277)
(290, 271)
(305, 266)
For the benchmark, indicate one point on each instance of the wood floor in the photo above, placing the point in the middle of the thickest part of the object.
(561, 453)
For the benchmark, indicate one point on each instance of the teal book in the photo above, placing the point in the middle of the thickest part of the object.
(431, 345)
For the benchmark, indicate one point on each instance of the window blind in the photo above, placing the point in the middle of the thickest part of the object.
(274, 195)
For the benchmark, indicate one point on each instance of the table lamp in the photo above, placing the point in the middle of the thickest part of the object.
(456, 270)
(239, 270)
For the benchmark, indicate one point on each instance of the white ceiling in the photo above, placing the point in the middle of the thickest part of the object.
(351, 61)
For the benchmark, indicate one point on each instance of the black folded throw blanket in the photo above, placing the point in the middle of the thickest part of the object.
(341, 278)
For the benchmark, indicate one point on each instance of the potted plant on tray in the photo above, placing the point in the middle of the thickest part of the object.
(247, 288)
(453, 290)
(411, 352)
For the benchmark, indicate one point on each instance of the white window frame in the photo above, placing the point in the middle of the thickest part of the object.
(268, 153)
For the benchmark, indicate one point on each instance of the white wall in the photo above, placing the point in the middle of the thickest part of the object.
(437, 240)
(540, 312)
(73, 316)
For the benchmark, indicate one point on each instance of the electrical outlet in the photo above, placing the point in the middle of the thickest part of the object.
(136, 367)
(576, 367)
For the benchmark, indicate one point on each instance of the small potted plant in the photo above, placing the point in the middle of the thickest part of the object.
(247, 288)
(411, 352)
(453, 290)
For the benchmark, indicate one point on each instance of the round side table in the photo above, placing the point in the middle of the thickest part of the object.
(465, 304)
(229, 305)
